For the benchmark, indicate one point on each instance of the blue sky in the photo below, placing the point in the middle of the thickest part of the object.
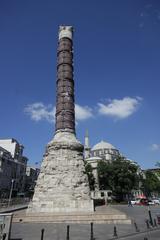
(116, 73)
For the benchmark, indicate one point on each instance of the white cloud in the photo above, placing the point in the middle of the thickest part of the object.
(155, 147)
(120, 108)
(82, 113)
(117, 108)
(39, 111)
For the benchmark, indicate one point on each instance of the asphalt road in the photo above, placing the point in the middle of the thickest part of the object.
(154, 235)
(140, 213)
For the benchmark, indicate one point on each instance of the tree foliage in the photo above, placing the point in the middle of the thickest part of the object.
(150, 183)
(119, 175)
(89, 172)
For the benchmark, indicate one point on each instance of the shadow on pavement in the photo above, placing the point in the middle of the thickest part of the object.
(16, 238)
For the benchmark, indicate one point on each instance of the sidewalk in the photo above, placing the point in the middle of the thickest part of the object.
(58, 231)
(32, 231)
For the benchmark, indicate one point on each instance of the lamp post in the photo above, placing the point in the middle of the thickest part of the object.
(10, 194)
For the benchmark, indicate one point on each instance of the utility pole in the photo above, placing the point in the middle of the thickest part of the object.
(10, 194)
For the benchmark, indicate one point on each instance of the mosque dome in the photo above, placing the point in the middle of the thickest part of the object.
(103, 145)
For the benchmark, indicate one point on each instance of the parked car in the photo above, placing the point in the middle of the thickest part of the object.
(142, 202)
(156, 201)
(151, 202)
(133, 202)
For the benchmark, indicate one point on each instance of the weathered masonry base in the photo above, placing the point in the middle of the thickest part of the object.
(62, 184)
(79, 219)
(103, 214)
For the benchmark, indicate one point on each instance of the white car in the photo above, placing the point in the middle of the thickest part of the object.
(133, 202)
(151, 202)
(140, 201)
(136, 201)
(156, 201)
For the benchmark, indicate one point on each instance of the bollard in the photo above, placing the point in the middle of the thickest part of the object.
(42, 233)
(150, 216)
(155, 223)
(136, 227)
(158, 219)
(115, 232)
(92, 237)
(4, 236)
(147, 223)
(94, 205)
(67, 238)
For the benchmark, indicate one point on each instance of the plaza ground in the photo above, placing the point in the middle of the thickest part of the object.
(138, 214)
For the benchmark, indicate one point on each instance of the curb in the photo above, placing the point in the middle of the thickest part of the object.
(14, 209)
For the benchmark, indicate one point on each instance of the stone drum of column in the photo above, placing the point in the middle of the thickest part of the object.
(65, 115)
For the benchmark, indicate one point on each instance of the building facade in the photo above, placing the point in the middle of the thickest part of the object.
(31, 178)
(104, 151)
(101, 151)
(12, 167)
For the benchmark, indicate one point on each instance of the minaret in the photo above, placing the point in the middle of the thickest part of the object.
(62, 184)
(86, 146)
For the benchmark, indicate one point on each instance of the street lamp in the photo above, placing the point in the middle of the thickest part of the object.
(10, 194)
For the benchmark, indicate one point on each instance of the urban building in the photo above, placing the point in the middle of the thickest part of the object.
(107, 152)
(12, 167)
(31, 178)
(12, 146)
(7, 171)
(101, 151)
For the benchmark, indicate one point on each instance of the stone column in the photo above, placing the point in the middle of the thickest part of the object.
(62, 185)
(65, 114)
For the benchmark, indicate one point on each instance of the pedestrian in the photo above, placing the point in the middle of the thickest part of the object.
(130, 203)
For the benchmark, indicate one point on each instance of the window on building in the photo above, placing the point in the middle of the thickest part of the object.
(102, 194)
(109, 194)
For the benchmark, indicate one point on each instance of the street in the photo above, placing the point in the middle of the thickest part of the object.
(140, 213)
(155, 235)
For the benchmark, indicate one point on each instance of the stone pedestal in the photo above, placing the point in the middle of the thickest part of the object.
(62, 185)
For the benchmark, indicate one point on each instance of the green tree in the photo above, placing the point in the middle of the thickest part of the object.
(120, 175)
(104, 172)
(150, 183)
(158, 172)
(89, 172)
